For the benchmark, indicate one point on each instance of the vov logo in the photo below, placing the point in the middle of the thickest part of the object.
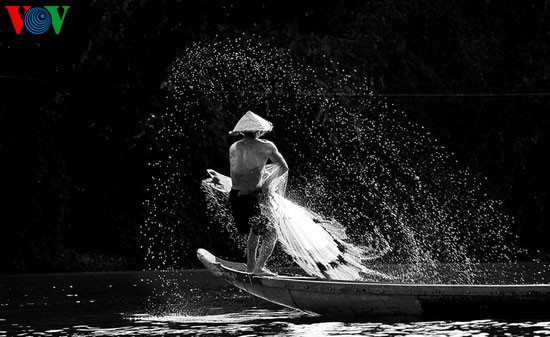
(37, 20)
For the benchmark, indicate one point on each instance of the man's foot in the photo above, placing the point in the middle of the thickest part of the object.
(263, 272)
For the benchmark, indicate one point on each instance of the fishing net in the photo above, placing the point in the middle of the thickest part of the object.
(316, 244)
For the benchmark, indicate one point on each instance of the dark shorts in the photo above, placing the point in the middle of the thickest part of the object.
(247, 212)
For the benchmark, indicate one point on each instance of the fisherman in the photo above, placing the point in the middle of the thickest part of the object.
(248, 158)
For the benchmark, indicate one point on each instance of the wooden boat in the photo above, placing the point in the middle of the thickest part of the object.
(371, 299)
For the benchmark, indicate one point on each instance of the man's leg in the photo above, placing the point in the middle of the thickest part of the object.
(268, 244)
(251, 248)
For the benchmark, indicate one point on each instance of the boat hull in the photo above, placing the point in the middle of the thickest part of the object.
(369, 299)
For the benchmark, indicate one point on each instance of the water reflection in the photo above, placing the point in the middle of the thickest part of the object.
(115, 304)
(288, 323)
(283, 322)
(264, 322)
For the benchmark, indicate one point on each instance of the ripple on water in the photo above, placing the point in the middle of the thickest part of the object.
(283, 322)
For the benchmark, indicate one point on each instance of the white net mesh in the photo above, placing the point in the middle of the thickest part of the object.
(316, 244)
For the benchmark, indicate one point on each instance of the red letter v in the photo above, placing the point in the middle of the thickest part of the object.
(16, 18)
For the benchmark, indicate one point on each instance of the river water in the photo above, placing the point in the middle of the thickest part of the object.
(189, 303)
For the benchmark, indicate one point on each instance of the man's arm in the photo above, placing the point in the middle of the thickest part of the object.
(277, 158)
(232, 157)
(278, 169)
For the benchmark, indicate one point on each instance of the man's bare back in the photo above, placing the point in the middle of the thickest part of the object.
(248, 158)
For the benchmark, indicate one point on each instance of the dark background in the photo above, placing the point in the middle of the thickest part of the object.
(74, 139)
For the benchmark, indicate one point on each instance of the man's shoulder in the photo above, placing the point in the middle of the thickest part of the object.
(233, 147)
(268, 146)
(266, 142)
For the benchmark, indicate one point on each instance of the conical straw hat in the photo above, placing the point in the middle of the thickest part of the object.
(251, 122)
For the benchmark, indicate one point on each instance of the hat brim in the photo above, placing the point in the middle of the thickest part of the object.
(235, 133)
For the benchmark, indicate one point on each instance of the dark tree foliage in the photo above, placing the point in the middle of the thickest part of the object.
(75, 141)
